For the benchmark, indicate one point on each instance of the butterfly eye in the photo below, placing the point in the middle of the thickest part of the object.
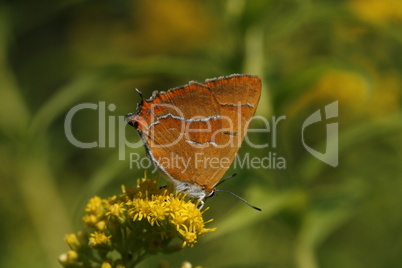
(129, 119)
(133, 123)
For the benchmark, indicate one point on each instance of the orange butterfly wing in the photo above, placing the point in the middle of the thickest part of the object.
(192, 133)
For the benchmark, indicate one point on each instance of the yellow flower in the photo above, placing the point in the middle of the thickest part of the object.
(95, 206)
(95, 210)
(143, 220)
(166, 209)
(99, 239)
(117, 211)
(72, 241)
(101, 225)
(69, 258)
(90, 220)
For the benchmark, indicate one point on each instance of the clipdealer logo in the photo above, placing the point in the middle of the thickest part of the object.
(330, 156)
(113, 126)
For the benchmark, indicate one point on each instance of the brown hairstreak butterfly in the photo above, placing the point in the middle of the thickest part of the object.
(192, 133)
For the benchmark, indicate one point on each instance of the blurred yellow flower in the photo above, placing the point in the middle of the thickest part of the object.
(70, 258)
(106, 265)
(387, 94)
(187, 264)
(374, 96)
(377, 11)
(186, 26)
(101, 225)
(95, 207)
(99, 239)
(349, 88)
(90, 220)
(173, 26)
(72, 241)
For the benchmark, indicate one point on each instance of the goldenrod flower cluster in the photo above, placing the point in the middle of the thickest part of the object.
(123, 230)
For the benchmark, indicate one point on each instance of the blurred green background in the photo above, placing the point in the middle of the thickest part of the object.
(57, 54)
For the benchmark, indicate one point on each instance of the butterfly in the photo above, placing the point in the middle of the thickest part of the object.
(192, 133)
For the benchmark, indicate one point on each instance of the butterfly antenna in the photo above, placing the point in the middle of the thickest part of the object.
(140, 93)
(225, 179)
(240, 198)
